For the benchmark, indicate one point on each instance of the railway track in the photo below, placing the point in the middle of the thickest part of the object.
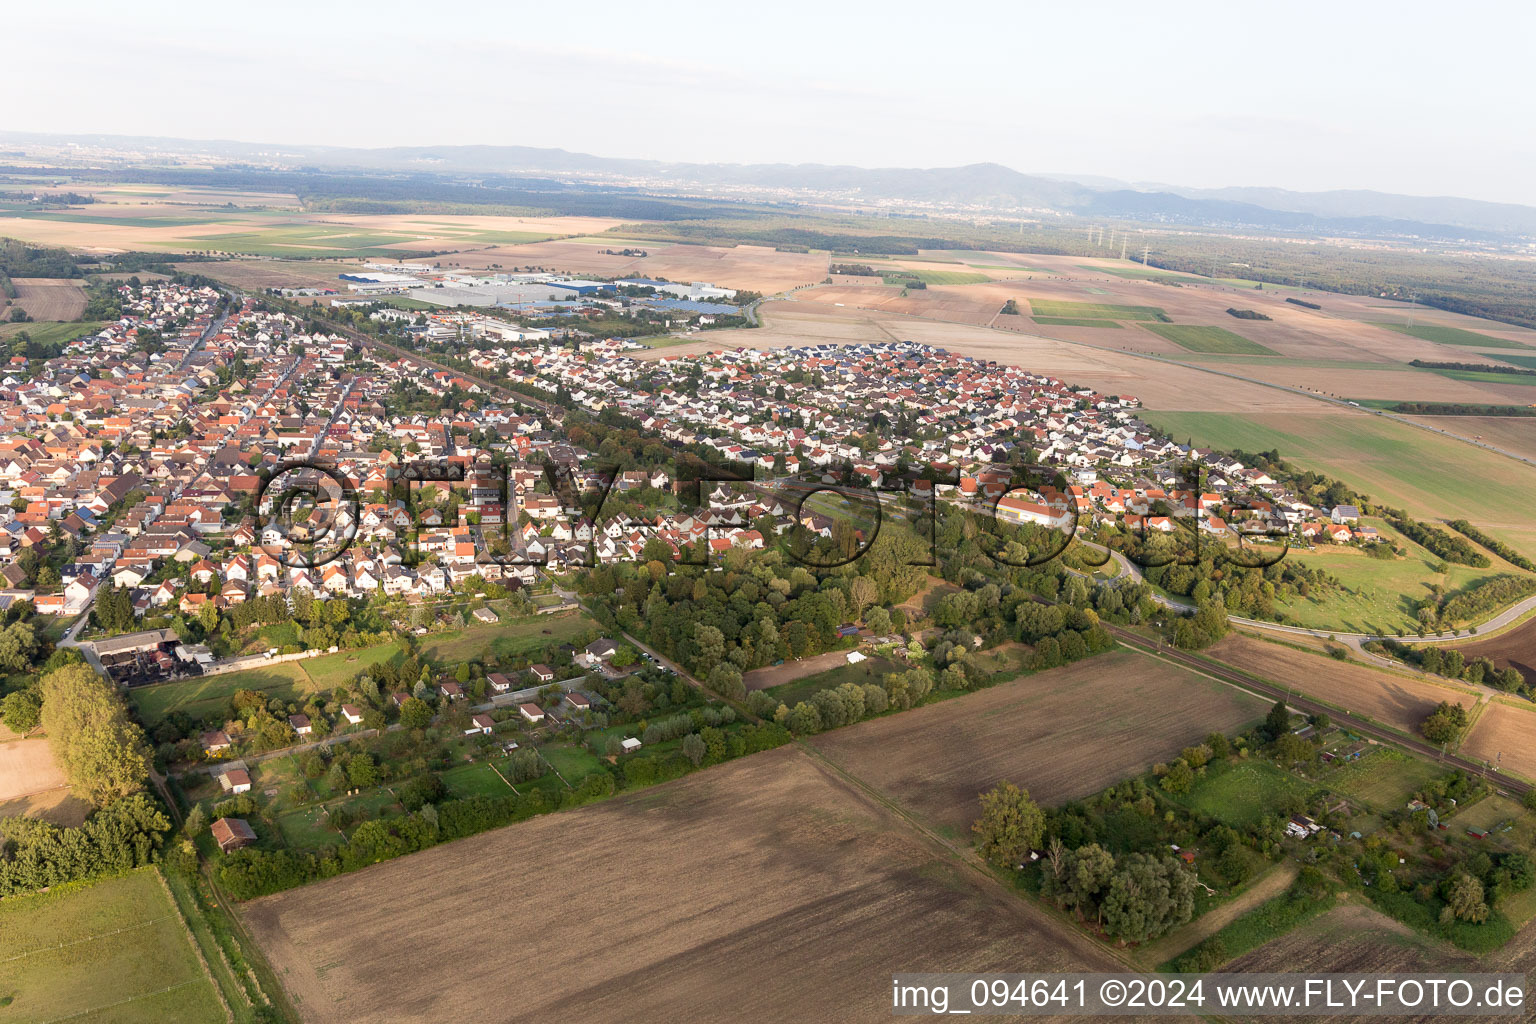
(1354, 722)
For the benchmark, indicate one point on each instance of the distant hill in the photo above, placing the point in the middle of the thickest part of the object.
(984, 187)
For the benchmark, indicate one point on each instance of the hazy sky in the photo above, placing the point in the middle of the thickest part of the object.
(1423, 99)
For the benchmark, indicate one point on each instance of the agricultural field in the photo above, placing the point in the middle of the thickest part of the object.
(898, 277)
(1355, 938)
(1505, 735)
(142, 966)
(1441, 335)
(1067, 321)
(871, 670)
(1393, 699)
(1093, 310)
(604, 945)
(49, 298)
(1061, 734)
(506, 639)
(1208, 339)
(1430, 476)
(1513, 648)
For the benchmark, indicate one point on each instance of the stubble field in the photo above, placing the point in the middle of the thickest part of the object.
(1061, 734)
(1396, 700)
(26, 767)
(1505, 735)
(802, 895)
(47, 298)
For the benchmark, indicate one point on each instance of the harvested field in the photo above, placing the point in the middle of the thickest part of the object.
(59, 806)
(47, 298)
(1507, 730)
(1062, 734)
(1396, 700)
(692, 936)
(258, 274)
(27, 768)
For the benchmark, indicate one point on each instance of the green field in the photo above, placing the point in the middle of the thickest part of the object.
(1451, 336)
(116, 951)
(1528, 362)
(130, 222)
(1385, 779)
(505, 639)
(1241, 793)
(48, 332)
(209, 696)
(573, 763)
(1208, 339)
(1376, 595)
(1136, 273)
(934, 277)
(333, 670)
(1486, 377)
(1094, 310)
(313, 240)
(1428, 475)
(478, 779)
(1067, 321)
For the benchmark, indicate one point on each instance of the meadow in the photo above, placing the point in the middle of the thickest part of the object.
(204, 696)
(117, 951)
(1067, 321)
(506, 639)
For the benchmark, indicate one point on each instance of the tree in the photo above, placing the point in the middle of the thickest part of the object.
(361, 771)
(1179, 778)
(197, 820)
(1464, 901)
(1445, 723)
(101, 751)
(878, 620)
(415, 713)
(1148, 896)
(21, 711)
(693, 748)
(1010, 826)
(18, 646)
(1278, 722)
(725, 679)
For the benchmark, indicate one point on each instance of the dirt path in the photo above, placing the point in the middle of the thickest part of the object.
(777, 675)
(1202, 928)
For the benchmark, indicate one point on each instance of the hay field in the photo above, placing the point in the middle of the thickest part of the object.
(1061, 734)
(1428, 475)
(770, 883)
(1507, 729)
(1397, 700)
(47, 298)
(27, 767)
(1512, 433)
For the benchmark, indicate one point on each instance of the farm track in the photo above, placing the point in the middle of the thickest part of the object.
(1240, 679)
